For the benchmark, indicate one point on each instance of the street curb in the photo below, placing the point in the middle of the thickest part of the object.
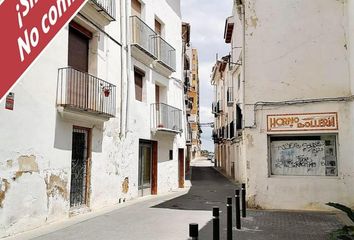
(51, 227)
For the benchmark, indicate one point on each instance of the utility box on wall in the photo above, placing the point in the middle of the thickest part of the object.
(10, 101)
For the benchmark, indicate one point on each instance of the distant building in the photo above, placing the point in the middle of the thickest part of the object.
(191, 88)
(284, 102)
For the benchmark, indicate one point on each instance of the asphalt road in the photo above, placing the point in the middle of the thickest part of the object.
(167, 217)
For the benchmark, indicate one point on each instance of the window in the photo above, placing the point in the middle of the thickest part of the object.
(304, 155)
(138, 77)
(238, 117)
(136, 8)
(171, 154)
(158, 27)
(238, 81)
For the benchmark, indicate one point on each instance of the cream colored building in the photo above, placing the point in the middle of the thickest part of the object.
(193, 107)
(191, 91)
(290, 72)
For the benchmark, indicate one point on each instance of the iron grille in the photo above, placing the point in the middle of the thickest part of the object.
(107, 7)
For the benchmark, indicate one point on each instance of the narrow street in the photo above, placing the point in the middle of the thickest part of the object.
(167, 217)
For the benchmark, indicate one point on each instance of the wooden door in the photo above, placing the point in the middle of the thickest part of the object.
(77, 78)
(154, 168)
(136, 8)
(181, 168)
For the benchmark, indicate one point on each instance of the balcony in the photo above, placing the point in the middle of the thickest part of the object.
(220, 106)
(80, 93)
(214, 109)
(106, 7)
(189, 106)
(217, 108)
(144, 40)
(165, 118)
(166, 54)
(192, 118)
(150, 48)
(230, 97)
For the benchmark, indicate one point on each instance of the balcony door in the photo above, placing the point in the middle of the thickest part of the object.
(78, 55)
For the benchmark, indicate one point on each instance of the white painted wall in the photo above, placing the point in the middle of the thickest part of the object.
(172, 94)
(36, 142)
(296, 50)
(300, 49)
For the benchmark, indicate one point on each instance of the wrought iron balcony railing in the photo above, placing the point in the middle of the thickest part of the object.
(107, 8)
(143, 37)
(220, 106)
(147, 40)
(166, 54)
(80, 91)
(166, 118)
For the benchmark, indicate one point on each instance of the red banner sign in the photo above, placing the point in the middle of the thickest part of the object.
(27, 28)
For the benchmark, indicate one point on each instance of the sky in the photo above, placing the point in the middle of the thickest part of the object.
(207, 20)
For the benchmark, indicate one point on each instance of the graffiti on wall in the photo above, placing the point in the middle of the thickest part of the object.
(301, 157)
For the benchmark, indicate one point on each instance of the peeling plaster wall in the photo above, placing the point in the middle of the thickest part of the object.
(29, 154)
(36, 142)
(299, 50)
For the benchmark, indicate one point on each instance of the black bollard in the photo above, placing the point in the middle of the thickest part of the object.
(216, 224)
(243, 200)
(193, 231)
(237, 205)
(229, 218)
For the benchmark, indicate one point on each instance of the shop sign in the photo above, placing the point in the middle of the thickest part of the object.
(302, 122)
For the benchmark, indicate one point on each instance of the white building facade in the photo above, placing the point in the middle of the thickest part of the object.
(77, 138)
(292, 80)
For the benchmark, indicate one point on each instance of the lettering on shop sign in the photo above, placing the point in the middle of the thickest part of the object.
(302, 122)
(302, 157)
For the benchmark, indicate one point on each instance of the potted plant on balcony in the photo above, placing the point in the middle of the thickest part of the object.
(106, 91)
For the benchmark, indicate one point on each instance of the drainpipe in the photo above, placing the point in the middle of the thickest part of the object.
(122, 68)
(243, 64)
(128, 61)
